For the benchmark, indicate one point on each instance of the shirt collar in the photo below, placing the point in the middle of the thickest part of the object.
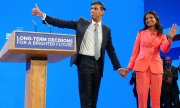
(99, 23)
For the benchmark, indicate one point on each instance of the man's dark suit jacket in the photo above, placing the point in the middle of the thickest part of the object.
(173, 88)
(81, 26)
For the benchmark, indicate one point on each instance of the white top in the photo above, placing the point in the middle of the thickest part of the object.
(88, 43)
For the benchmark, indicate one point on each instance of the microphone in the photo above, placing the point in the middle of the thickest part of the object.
(35, 26)
(48, 26)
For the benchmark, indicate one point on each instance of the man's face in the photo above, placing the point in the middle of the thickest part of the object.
(168, 61)
(96, 12)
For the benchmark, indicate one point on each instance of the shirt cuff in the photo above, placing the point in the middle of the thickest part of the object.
(44, 16)
(120, 68)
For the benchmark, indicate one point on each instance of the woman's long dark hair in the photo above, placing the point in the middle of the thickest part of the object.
(158, 25)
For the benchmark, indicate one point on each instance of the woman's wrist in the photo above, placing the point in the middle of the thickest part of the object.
(128, 69)
(170, 38)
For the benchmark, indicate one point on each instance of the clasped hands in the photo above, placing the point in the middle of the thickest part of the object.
(123, 72)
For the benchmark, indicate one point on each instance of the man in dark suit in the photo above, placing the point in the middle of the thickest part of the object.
(170, 90)
(90, 54)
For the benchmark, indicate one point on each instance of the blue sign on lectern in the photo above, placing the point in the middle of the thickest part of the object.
(44, 41)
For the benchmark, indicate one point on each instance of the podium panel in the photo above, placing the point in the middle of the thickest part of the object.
(37, 49)
(23, 45)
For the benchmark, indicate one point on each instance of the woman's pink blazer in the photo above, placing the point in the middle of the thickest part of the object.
(146, 52)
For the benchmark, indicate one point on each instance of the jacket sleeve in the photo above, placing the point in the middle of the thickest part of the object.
(135, 52)
(111, 53)
(165, 45)
(175, 73)
(70, 24)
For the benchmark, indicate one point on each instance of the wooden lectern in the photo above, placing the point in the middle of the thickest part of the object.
(37, 49)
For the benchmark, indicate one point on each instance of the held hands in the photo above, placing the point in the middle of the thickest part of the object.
(36, 11)
(172, 31)
(123, 72)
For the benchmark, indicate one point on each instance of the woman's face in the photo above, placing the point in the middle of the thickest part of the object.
(150, 20)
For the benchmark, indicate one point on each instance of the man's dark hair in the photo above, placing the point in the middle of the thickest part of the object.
(99, 3)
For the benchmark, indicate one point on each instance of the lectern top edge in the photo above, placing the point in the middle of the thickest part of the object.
(23, 43)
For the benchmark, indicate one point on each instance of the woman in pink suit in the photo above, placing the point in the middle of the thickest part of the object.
(146, 60)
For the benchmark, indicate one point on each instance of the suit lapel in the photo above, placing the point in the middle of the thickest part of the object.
(103, 35)
(84, 24)
(85, 27)
(149, 38)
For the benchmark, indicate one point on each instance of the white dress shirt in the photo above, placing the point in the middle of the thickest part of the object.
(88, 44)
